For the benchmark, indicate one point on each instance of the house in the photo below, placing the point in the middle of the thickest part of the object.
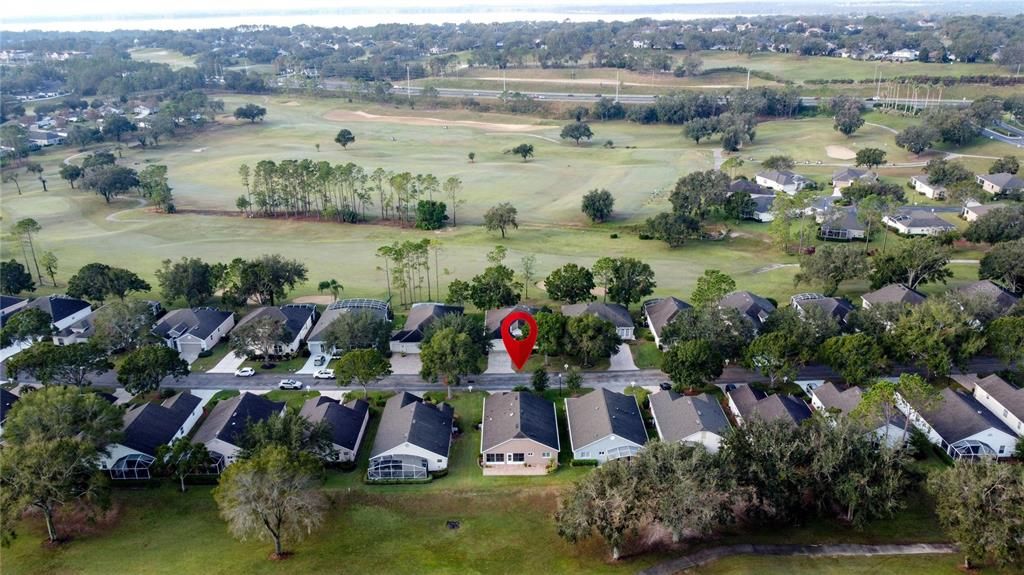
(751, 305)
(421, 315)
(297, 319)
(988, 290)
(7, 401)
(836, 308)
(904, 55)
(745, 185)
(612, 312)
(315, 340)
(413, 440)
(911, 222)
(846, 177)
(144, 429)
(999, 183)
(973, 210)
(697, 419)
(747, 403)
(10, 304)
(494, 317)
(841, 223)
(962, 426)
(347, 423)
(892, 294)
(519, 434)
(78, 332)
(830, 400)
(45, 139)
(63, 310)
(660, 312)
(760, 209)
(781, 181)
(999, 397)
(605, 425)
(932, 191)
(192, 331)
(224, 428)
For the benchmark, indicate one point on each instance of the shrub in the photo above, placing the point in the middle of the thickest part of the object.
(583, 463)
(614, 236)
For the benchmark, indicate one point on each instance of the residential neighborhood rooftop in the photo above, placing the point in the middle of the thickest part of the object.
(293, 316)
(344, 420)
(753, 306)
(150, 425)
(601, 413)
(661, 312)
(494, 317)
(59, 306)
(681, 416)
(959, 416)
(378, 308)
(230, 417)
(755, 404)
(894, 293)
(989, 290)
(421, 315)
(613, 312)
(518, 415)
(409, 419)
(199, 322)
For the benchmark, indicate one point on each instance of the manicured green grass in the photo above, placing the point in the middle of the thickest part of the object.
(220, 396)
(646, 355)
(768, 565)
(284, 366)
(206, 363)
(292, 398)
(172, 58)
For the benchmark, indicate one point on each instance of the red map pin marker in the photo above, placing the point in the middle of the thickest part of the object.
(519, 350)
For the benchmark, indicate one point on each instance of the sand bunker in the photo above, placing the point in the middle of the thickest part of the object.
(840, 152)
(597, 291)
(317, 299)
(292, 103)
(361, 116)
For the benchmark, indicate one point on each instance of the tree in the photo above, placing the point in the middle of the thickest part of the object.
(693, 64)
(363, 366)
(858, 357)
(358, 329)
(711, 288)
(449, 354)
(122, 326)
(189, 279)
(37, 169)
(916, 139)
(778, 162)
(573, 380)
(631, 281)
(290, 430)
(430, 215)
(260, 337)
(11, 176)
(1005, 337)
(1005, 264)
(71, 173)
(870, 157)
(452, 187)
(691, 364)
(501, 217)
(1005, 165)
(344, 138)
(117, 126)
(727, 330)
(265, 280)
(550, 333)
(29, 324)
(912, 264)
(272, 494)
(143, 369)
(14, 279)
(120, 282)
(604, 501)
(96, 281)
(672, 229)
(539, 380)
(831, 265)
(250, 112)
(51, 364)
(523, 150)
(570, 284)
(49, 262)
(153, 184)
(24, 228)
(111, 181)
(182, 458)
(590, 338)
(495, 287)
(597, 205)
(937, 335)
(332, 285)
(472, 157)
(848, 120)
(699, 129)
(698, 193)
(979, 505)
(576, 131)
(1000, 225)
(775, 356)
(943, 172)
(527, 269)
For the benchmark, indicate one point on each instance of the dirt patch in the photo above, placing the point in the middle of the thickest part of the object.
(361, 116)
(292, 103)
(317, 299)
(773, 267)
(598, 291)
(840, 152)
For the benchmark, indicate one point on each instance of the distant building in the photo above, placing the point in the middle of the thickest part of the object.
(747, 403)
(973, 211)
(846, 177)
(834, 307)
(296, 318)
(614, 313)
(697, 419)
(420, 317)
(892, 293)
(316, 339)
(911, 222)
(932, 191)
(781, 180)
(605, 425)
(660, 312)
(999, 183)
(754, 307)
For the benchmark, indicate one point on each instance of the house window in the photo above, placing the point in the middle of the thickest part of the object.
(495, 458)
(439, 461)
(546, 455)
(584, 454)
(516, 457)
(1002, 449)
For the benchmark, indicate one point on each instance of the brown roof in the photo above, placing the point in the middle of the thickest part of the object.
(662, 311)
(832, 398)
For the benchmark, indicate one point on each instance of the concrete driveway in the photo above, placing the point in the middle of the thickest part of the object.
(189, 358)
(309, 367)
(622, 360)
(409, 364)
(228, 364)
(498, 361)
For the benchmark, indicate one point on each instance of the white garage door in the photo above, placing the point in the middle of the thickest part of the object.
(190, 348)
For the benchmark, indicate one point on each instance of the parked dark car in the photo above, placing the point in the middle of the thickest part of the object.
(665, 386)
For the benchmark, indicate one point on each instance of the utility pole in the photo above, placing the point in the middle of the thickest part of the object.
(748, 78)
(616, 86)
(408, 84)
(878, 82)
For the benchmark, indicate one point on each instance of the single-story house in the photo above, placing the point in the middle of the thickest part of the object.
(781, 181)
(973, 210)
(1002, 399)
(892, 293)
(660, 312)
(421, 315)
(347, 423)
(45, 139)
(835, 307)
(297, 319)
(748, 186)
(63, 310)
(761, 209)
(846, 177)
(747, 403)
(494, 317)
(605, 425)
(145, 428)
(7, 401)
(9, 305)
(224, 428)
(191, 331)
(78, 332)
(1002, 298)
(829, 399)
(616, 314)
(932, 191)
(962, 427)
(751, 305)
(999, 183)
(519, 434)
(911, 222)
(697, 419)
(841, 223)
(413, 440)
(315, 340)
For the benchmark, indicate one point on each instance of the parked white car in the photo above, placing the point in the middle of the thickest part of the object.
(323, 374)
(289, 384)
(245, 372)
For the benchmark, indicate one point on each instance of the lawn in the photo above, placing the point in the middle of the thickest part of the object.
(292, 398)
(217, 353)
(172, 58)
(759, 565)
(646, 354)
(283, 367)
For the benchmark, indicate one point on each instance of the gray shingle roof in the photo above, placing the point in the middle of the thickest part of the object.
(660, 312)
(841, 218)
(681, 416)
(751, 305)
(959, 416)
(494, 317)
(832, 398)
(199, 322)
(601, 413)
(853, 174)
(1003, 180)
(518, 415)
(745, 185)
(894, 293)
(916, 218)
(763, 203)
(230, 417)
(989, 290)
(408, 418)
(983, 209)
(345, 421)
(419, 319)
(613, 312)
(1008, 396)
(59, 306)
(754, 404)
(293, 316)
(781, 177)
(377, 308)
(148, 426)
(834, 307)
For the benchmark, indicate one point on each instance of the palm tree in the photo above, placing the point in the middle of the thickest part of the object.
(331, 285)
(25, 228)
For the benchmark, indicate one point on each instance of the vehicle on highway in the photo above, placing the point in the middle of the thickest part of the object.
(289, 384)
(665, 386)
(323, 374)
(245, 372)
(476, 93)
(320, 360)
(540, 96)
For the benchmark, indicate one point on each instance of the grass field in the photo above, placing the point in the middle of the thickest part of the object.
(172, 58)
